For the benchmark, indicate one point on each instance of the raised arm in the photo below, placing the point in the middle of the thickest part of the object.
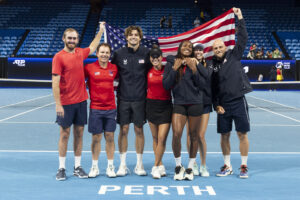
(242, 35)
(96, 40)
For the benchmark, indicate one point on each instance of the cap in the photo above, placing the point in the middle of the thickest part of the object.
(155, 53)
(198, 46)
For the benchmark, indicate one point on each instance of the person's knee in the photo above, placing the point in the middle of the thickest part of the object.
(138, 131)
(242, 136)
(124, 130)
(225, 137)
(109, 138)
(97, 138)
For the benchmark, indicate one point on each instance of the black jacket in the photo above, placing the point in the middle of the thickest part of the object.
(133, 67)
(188, 89)
(229, 81)
(206, 89)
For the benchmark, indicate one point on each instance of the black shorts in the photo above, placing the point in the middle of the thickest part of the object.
(131, 112)
(207, 108)
(237, 111)
(159, 111)
(189, 110)
(73, 114)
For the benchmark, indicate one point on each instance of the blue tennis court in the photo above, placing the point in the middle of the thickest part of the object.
(29, 157)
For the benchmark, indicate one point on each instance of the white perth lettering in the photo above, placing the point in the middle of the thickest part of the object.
(157, 190)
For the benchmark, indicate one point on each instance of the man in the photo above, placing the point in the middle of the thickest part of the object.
(133, 63)
(102, 116)
(230, 84)
(70, 96)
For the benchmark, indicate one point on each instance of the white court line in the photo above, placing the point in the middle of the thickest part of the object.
(274, 102)
(264, 109)
(22, 113)
(263, 125)
(133, 152)
(26, 101)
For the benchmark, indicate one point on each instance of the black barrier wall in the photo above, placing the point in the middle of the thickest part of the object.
(40, 68)
(3, 67)
(298, 70)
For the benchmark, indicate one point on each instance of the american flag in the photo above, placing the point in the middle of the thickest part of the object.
(222, 27)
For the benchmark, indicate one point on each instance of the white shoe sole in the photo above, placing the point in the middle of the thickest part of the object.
(221, 175)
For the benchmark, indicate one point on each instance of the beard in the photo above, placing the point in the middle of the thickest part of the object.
(71, 46)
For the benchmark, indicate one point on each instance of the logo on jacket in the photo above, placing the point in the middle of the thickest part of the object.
(225, 60)
(125, 61)
(141, 61)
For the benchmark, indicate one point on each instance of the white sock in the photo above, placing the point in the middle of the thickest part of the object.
(62, 162)
(95, 163)
(191, 163)
(244, 160)
(77, 161)
(227, 160)
(139, 160)
(123, 159)
(110, 163)
(178, 161)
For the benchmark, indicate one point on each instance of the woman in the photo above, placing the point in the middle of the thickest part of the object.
(182, 77)
(158, 110)
(102, 117)
(207, 108)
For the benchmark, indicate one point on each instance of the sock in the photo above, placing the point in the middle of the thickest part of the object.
(139, 160)
(123, 159)
(178, 161)
(110, 163)
(244, 160)
(62, 162)
(77, 161)
(95, 163)
(191, 163)
(227, 160)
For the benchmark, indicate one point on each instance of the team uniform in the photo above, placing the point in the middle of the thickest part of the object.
(103, 107)
(206, 88)
(230, 84)
(159, 100)
(73, 94)
(187, 94)
(131, 93)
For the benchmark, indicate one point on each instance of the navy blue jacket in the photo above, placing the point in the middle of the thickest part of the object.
(133, 67)
(229, 81)
(188, 89)
(206, 89)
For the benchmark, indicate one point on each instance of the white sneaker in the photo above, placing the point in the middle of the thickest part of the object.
(162, 170)
(203, 171)
(179, 173)
(94, 172)
(123, 170)
(195, 169)
(189, 175)
(110, 171)
(155, 172)
(140, 171)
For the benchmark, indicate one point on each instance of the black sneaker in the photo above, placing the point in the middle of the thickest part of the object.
(189, 175)
(61, 174)
(80, 172)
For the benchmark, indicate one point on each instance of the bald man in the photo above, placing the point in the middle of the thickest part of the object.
(229, 85)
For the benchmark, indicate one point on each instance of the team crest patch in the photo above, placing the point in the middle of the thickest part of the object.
(110, 73)
(150, 75)
(125, 61)
(97, 73)
(141, 61)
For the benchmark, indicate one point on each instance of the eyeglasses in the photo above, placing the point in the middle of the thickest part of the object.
(72, 38)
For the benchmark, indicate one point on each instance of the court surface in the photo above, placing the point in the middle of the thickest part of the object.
(29, 157)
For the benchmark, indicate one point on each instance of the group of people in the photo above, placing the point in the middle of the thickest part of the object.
(181, 93)
(255, 53)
